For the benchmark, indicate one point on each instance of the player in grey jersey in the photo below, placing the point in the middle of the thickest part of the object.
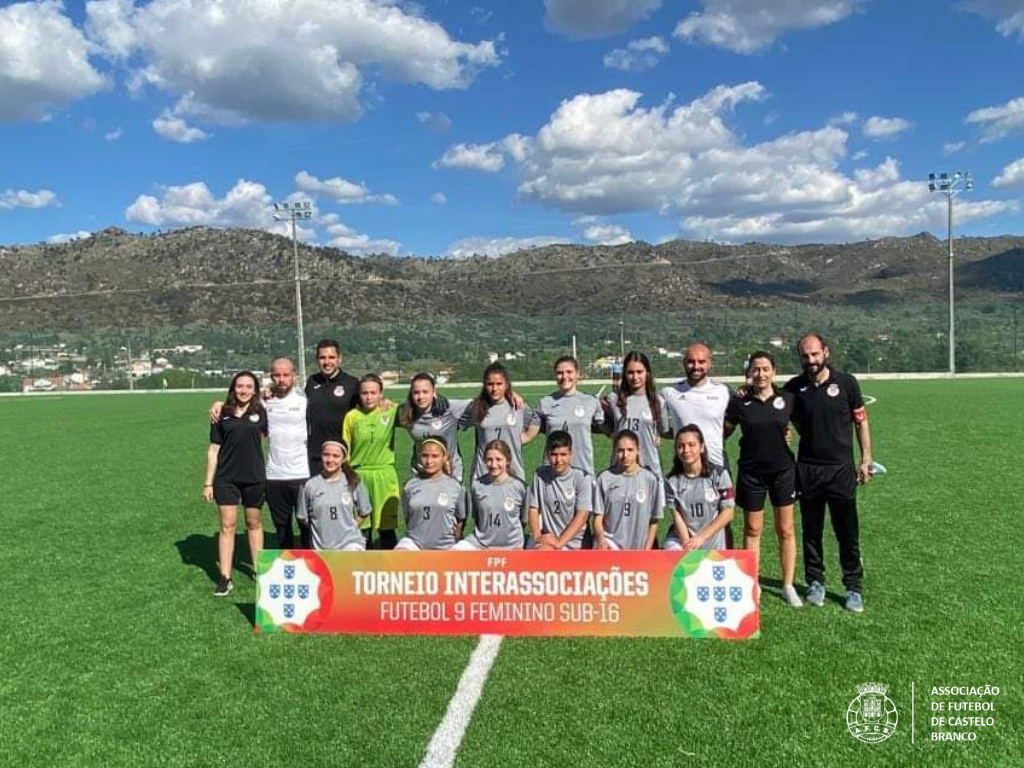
(700, 494)
(334, 503)
(561, 498)
(434, 502)
(629, 500)
(498, 502)
(497, 413)
(427, 414)
(571, 411)
(636, 406)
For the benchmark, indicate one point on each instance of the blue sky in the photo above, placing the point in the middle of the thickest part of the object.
(456, 127)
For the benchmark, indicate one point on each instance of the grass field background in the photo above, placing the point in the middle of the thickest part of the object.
(115, 652)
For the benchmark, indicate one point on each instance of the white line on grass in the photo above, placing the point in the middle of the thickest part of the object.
(445, 744)
(869, 400)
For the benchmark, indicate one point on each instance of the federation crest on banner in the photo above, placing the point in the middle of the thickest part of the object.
(289, 591)
(872, 716)
(719, 595)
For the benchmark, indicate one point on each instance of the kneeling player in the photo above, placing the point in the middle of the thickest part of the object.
(561, 498)
(700, 494)
(499, 503)
(629, 499)
(334, 503)
(434, 502)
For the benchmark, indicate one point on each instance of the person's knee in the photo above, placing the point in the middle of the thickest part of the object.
(752, 526)
(784, 528)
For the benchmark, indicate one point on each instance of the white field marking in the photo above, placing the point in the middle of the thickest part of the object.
(869, 400)
(444, 745)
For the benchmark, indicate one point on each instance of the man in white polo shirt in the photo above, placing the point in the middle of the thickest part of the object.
(699, 400)
(287, 456)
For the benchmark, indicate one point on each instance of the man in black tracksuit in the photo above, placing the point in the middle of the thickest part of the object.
(330, 394)
(827, 408)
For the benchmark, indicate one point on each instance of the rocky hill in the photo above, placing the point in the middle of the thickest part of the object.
(202, 275)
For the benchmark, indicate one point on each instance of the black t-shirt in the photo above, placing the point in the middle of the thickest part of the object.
(763, 423)
(327, 402)
(823, 414)
(241, 447)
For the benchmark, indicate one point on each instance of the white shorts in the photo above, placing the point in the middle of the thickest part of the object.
(673, 544)
(467, 545)
(407, 544)
(354, 547)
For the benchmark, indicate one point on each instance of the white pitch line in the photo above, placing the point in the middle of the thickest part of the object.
(869, 400)
(444, 745)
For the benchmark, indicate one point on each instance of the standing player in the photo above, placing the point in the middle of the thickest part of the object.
(629, 500)
(334, 504)
(700, 494)
(827, 407)
(638, 407)
(572, 411)
(561, 498)
(427, 414)
(369, 432)
(700, 400)
(497, 413)
(235, 472)
(434, 502)
(287, 454)
(766, 467)
(498, 502)
(331, 394)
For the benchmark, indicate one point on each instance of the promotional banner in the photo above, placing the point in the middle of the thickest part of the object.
(654, 594)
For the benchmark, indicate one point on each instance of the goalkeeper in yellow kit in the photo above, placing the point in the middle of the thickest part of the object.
(369, 432)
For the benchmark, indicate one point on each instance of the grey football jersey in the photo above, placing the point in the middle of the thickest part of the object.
(501, 422)
(331, 507)
(699, 500)
(445, 426)
(637, 416)
(577, 414)
(559, 498)
(628, 505)
(432, 508)
(499, 510)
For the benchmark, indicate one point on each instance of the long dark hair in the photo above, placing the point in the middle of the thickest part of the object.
(410, 412)
(652, 395)
(677, 463)
(351, 478)
(482, 404)
(255, 405)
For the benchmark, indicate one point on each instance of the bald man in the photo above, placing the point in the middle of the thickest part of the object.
(287, 455)
(699, 400)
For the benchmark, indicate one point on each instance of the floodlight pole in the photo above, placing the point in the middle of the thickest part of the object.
(294, 212)
(950, 185)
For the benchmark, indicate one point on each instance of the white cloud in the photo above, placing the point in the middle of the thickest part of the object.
(952, 147)
(173, 128)
(999, 122)
(22, 198)
(247, 204)
(359, 244)
(747, 26)
(599, 232)
(885, 127)
(604, 154)
(1008, 14)
(61, 238)
(44, 61)
(114, 135)
(439, 198)
(595, 18)
(472, 157)
(435, 121)
(109, 26)
(233, 61)
(638, 55)
(340, 190)
(498, 246)
(846, 118)
(1011, 176)
(860, 154)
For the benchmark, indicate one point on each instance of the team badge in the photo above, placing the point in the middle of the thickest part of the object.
(442, 499)
(384, 420)
(711, 494)
(346, 498)
(778, 403)
(254, 417)
(511, 419)
(436, 424)
(509, 504)
(833, 390)
(641, 495)
(570, 493)
(339, 391)
(646, 415)
(872, 717)
(579, 411)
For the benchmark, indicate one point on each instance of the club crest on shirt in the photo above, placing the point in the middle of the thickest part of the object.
(442, 499)
(711, 494)
(833, 390)
(346, 498)
(339, 391)
(254, 417)
(509, 504)
(778, 403)
(570, 493)
(646, 415)
(511, 419)
(579, 411)
(641, 495)
(384, 420)
(436, 424)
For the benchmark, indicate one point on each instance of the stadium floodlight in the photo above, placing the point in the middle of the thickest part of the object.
(294, 212)
(950, 185)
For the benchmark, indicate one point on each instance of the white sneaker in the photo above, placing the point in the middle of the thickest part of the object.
(791, 597)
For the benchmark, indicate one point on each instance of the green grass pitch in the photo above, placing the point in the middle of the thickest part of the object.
(115, 653)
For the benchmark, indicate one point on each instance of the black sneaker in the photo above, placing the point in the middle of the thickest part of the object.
(224, 586)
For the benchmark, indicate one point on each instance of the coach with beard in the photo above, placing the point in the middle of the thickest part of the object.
(330, 393)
